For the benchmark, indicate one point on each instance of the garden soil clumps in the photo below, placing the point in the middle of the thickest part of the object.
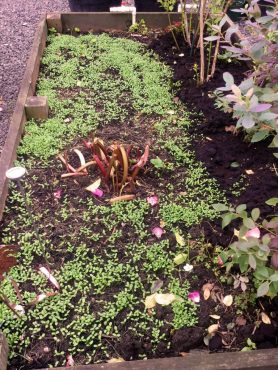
(141, 278)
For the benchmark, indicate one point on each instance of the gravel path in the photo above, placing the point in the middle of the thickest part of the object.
(18, 20)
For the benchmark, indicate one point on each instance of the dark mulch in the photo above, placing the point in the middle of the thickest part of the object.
(216, 147)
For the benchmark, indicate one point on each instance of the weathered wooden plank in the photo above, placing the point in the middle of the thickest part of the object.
(3, 352)
(36, 107)
(18, 119)
(116, 21)
(253, 360)
(54, 21)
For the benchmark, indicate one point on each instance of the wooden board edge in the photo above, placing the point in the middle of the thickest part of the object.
(252, 360)
(3, 352)
(18, 119)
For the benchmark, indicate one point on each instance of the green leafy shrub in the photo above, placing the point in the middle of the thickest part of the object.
(256, 250)
(254, 101)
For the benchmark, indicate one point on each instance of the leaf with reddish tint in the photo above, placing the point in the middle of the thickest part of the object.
(7, 258)
(253, 233)
(260, 108)
(101, 167)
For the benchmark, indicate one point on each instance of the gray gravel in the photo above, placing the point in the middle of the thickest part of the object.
(18, 20)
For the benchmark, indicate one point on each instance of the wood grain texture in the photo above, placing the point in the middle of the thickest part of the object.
(108, 21)
(3, 352)
(19, 118)
(253, 360)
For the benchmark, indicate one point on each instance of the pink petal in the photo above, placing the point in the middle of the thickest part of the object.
(57, 194)
(152, 200)
(253, 233)
(220, 261)
(158, 232)
(98, 193)
(50, 277)
(194, 296)
(70, 361)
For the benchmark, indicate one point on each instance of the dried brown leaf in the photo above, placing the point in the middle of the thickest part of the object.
(206, 294)
(122, 198)
(7, 258)
(213, 328)
(265, 318)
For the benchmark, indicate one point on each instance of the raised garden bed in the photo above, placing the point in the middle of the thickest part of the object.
(109, 258)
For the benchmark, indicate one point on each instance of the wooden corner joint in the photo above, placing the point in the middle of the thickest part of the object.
(54, 20)
(36, 107)
(3, 352)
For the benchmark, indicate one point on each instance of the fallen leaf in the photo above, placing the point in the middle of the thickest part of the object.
(41, 297)
(213, 328)
(50, 277)
(94, 186)
(265, 318)
(206, 294)
(115, 360)
(150, 301)
(156, 286)
(209, 286)
(180, 258)
(228, 300)
(180, 240)
(249, 172)
(122, 198)
(207, 338)
(215, 317)
(166, 298)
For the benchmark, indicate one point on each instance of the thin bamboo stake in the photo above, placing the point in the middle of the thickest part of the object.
(202, 51)
(217, 46)
(185, 28)
(172, 31)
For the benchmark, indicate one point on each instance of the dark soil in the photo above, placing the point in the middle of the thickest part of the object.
(215, 145)
(217, 149)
